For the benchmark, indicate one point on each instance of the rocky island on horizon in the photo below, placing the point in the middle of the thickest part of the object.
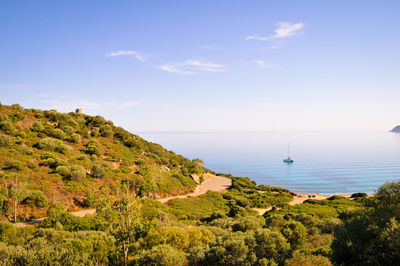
(396, 129)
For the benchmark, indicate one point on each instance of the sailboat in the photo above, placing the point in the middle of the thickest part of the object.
(289, 159)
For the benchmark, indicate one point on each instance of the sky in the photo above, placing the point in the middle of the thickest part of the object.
(225, 65)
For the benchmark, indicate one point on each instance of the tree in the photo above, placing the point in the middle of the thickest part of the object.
(18, 191)
(295, 233)
(370, 236)
(198, 161)
(271, 245)
(128, 207)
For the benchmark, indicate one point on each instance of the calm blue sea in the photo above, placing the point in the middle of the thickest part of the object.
(325, 162)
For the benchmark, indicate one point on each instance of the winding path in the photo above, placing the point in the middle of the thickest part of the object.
(211, 182)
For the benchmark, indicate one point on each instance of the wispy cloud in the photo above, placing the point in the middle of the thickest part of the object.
(263, 64)
(209, 47)
(192, 67)
(127, 53)
(284, 30)
(70, 104)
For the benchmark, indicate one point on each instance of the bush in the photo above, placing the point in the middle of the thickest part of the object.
(36, 198)
(13, 165)
(63, 171)
(359, 195)
(93, 147)
(308, 259)
(78, 173)
(98, 171)
(106, 131)
(335, 197)
(75, 138)
(248, 223)
(58, 134)
(162, 255)
(90, 200)
(50, 144)
(7, 127)
(37, 127)
(295, 233)
(6, 141)
(68, 130)
(94, 132)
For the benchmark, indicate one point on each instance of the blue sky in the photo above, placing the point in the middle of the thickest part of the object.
(206, 65)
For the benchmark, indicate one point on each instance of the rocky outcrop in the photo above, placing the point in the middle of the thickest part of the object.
(396, 129)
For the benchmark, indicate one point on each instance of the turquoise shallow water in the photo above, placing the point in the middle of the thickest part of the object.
(325, 162)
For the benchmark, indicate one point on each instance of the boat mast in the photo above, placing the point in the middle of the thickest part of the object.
(288, 149)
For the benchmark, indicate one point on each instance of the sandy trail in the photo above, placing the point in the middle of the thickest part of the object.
(211, 182)
(80, 213)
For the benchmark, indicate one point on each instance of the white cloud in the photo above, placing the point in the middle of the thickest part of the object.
(257, 38)
(129, 53)
(287, 29)
(263, 64)
(192, 67)
(284, 30)
(209, 47)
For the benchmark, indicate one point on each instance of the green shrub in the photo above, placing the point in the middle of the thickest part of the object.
(52, 161)
(75, 138)
(13, 165)
(36, 198)
(68, 130)
(248, 223)
(7, 127)
(94, 132)
(16, 107)
(295, 233)
(4, 117)
(335, 197)
(78, 173)
(63, 171)
(93, 147)
(31, 165)
(162, 255)
(90, 200)
(6, 141)
(359, 195)
(50, 144)
(106, 131)
(37, 127)
(98, 171)
(15, 117)
(58, 134)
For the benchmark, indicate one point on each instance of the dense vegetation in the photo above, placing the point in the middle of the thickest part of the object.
(48, 156)
(44, 168)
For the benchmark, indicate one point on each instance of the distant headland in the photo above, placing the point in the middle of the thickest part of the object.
(396, 129)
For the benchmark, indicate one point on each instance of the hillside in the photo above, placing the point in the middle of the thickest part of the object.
(65, 157)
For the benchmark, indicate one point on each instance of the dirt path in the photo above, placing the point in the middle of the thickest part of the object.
(80, 213)
(211, 182)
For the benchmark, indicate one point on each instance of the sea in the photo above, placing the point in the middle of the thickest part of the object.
(325, 162)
